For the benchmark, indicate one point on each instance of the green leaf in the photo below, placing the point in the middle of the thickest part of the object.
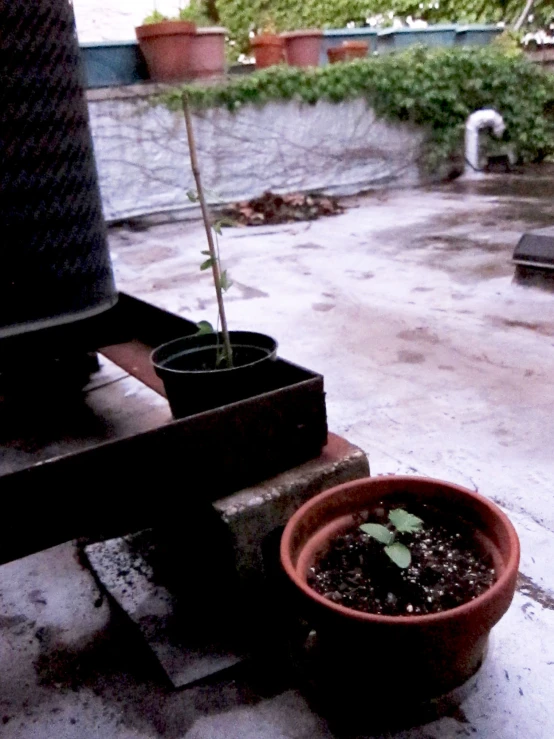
(404, 522)
(400, 554)
(192, 195)
(381, 533)
(204, 327)
(207, 264)
(224, 281)
(217, 226)
(206, 252)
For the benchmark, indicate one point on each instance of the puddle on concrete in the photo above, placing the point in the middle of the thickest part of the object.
(419, 334)
(545, 329)
(323, 307)
(452, 243)
(408, 357)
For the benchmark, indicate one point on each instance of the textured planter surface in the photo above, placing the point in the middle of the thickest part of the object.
(445, 648)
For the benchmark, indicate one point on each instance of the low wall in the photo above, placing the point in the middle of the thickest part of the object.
(142, 154)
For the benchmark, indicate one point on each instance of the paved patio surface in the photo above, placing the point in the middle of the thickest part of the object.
(435, 363)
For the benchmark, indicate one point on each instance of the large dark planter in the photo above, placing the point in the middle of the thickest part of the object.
(400, 657)
(55, 266)
(192, 385)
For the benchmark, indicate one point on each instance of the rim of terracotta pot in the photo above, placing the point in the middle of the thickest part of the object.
(308, 32)
(165, 28)
(266, 39)
(509, 572)
(209, 30)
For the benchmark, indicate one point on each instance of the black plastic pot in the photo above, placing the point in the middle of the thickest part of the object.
(193, 384)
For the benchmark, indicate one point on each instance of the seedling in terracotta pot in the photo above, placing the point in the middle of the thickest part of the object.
(392, 562)
(402, 523)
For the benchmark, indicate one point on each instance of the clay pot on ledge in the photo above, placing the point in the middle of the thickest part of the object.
(347, 51)
(269, 49)
(302, 48)
(166, 48)
(406, 657)
(207, 52)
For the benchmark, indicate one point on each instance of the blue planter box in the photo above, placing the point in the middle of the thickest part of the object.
(476, 35)
(335, 36)
(394, 39)
(113, 63)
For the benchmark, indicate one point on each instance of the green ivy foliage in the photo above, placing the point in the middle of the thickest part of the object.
(433, 88)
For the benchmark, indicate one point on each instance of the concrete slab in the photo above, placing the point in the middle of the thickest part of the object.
(435, 363)
(186, 651)
(133, 571)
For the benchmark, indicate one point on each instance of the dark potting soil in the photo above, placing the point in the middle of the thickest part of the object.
(448, 567)
(206, 360)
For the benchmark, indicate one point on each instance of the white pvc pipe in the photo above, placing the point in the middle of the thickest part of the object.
(486, 118)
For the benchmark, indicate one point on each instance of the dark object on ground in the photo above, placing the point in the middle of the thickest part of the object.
(536, 249)
(271, 209)
(499, 164)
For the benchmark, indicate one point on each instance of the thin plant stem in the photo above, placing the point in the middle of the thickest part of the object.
(214, 256)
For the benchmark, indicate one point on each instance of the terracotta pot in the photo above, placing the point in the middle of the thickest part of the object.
(269, 49)
(417, 656)
(166, 48)
(302, 48)
(349, 50)
(207, 52)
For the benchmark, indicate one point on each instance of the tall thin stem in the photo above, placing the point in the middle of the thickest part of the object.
(214, 258)
(525, 12)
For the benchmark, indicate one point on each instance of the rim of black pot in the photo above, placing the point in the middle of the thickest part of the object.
(207, 341)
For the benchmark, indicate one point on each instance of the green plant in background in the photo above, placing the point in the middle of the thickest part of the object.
(436, 89)
(201, 12)
(243, 17)
(466, 11)
(402, 523)
(155, 17)
(196, 12)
